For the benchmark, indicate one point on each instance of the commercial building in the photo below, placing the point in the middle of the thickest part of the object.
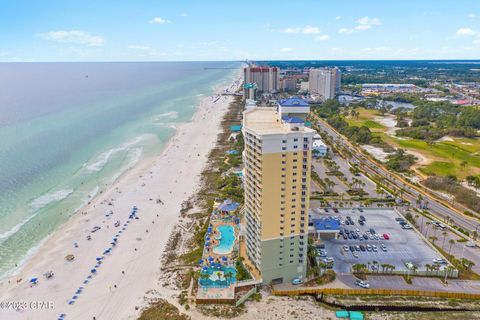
(324, 83)
(266, 79)
(277, 158)
(319, 147)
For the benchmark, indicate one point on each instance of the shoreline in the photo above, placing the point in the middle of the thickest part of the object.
(133, 267)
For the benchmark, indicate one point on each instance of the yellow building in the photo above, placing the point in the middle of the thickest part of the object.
(277, 160)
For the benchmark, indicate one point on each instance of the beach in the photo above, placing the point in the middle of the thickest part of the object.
(123, 275)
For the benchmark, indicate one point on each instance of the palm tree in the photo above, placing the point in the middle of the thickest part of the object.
(384, 266)
(228, 276)
(204, 276)
(428, 267)
(451, 242)
(375, 263)
(433, 238)
(475, 235)
(444, 233)
(428, 223)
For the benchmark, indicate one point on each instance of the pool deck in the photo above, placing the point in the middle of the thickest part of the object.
(227, 294)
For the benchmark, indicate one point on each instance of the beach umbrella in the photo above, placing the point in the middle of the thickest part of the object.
(97, 265)
(115, 239)
(85, 281)
(124, 228)
(200, 261)
(204, 269)
(71, 302)
(93, 270)
(33, 280)
(98, 258)
(78, 291)
(210, 259)
(208, 239)
(74, 297)
(224, 258)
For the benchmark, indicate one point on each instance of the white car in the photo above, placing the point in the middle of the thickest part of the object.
(362, 284)
(440, 261)
(345, 248)
(470, 244)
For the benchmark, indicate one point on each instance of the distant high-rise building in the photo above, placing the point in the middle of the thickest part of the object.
(288, 84)
(266, 78)
(324, 82)
(277, 158)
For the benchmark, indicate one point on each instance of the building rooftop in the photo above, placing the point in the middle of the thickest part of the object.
(293, 102)
(265, 120)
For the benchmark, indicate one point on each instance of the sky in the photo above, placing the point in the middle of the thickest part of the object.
(185, 30)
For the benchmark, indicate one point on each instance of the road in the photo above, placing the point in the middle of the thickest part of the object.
(411, 193)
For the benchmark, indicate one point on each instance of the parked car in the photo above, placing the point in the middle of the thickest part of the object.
(352, 248)
(335, 210)
(407, 226)
(440, 261)
(361, 222)
(362, 284)
(345, 236)
(374, 248)
(355, 254)
(345, 248)
(399, 219)
(385, 236)
(362, 218)
(365, 237)
(372, 231)
(297, 281)
(362, 247)
(384, 248)
(357, 248)
(360, 209)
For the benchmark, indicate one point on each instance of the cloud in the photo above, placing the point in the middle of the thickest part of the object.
(345, 31)
(323, 37)
(139, 48)
(73, 37)
(471, 15)
(286, 50)
(466, 32)
(159, 20)
(291, 30)
(304, 30)
(310, 30)
(366, 23)
(183, 15)
(338, 18)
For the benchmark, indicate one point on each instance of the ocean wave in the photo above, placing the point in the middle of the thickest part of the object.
(36, 205)
(49, 198)
(169, 114)
(171, 125)
(102, 160)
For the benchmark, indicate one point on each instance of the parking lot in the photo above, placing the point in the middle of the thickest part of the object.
(403, 247)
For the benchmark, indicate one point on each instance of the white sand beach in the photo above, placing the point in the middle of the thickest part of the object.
(133, 266)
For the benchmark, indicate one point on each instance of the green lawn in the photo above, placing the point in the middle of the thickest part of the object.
(446, 156)
(365, 118)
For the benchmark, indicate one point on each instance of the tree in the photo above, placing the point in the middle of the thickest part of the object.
(204, 277)
(433, 239)
(444, 233)
(428, 267)
(451, 242)
(228, 276)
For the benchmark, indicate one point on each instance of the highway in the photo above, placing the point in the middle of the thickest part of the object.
(411, 193)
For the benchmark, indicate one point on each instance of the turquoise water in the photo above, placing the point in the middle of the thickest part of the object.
(68, 130)
(226, 240)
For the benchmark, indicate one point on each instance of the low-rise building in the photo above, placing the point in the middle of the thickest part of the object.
(319, 148)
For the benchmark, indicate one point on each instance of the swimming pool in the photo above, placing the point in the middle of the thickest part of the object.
(218, 277)
(226, 240)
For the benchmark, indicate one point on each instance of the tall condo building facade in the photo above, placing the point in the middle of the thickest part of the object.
(325, 82)
(277, 157)
(266, 78)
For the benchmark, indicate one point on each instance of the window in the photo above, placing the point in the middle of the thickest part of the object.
(284, 141)
(305, 139)
(295, 147)
(284, 148)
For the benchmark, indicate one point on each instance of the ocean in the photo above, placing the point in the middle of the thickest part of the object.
(68, 130)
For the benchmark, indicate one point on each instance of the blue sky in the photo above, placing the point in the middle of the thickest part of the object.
(107, 30)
